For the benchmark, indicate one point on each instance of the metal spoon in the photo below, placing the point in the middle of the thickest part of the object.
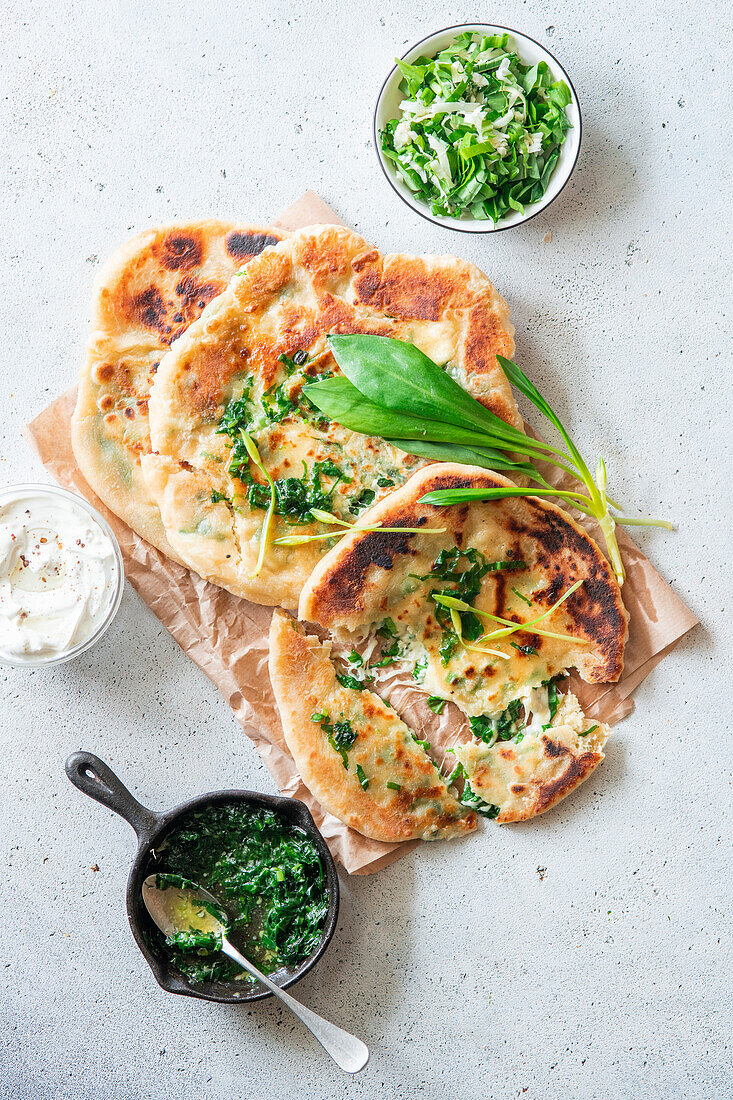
(176, 909)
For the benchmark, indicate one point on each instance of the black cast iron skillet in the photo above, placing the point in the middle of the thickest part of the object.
(92, 776)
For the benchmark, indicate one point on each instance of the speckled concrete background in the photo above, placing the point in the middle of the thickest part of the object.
(582, 956)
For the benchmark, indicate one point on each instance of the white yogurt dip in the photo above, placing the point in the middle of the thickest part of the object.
(59, 575)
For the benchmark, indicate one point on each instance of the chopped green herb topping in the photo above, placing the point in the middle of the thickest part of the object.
(521, 597)
(423, 744)
(436, 704)
(341, 735)
(361, 777)
(387, 656)
(217, 497)
(464, 570)
(418, 672)
(591, 729)
(552, 700)
(342, 739)
(362, 501)
(295, 498)
(351, 681)
(468, 797)
(529, 650)
(393, 786)
(502, 727)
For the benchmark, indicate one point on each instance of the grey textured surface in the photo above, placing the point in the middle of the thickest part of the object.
(466, 970)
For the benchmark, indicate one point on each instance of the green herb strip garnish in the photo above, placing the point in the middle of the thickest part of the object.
(352, 682)
(503, 727)
(468, 797)
(436, 704)
(254, 458)
(479, 132)
(509, 627)
(361, 777)
(528, 650)
(393, 786)
(268, 876)
(464, 569)
(341, 734)
(521, 597)
(327, 517)
(552, 700)
(591, 729)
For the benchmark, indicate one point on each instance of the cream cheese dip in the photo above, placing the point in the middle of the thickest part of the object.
(60, 575)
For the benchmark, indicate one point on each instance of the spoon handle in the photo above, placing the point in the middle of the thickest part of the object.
(346, 1050)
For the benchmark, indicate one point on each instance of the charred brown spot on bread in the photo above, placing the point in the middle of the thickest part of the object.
(243, 246)
(365, 258)
(193, 291)
(179, 251)
(215, 367)
(578, 767)
(106, 402)
(485, 340)
(105, 372)
(564, 554)
(150, 310)
(554, 749)
(446, 821)
(408, 289)
(342, 591)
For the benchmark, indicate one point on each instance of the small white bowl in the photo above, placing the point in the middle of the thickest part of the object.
(13, 492)
(530, 52)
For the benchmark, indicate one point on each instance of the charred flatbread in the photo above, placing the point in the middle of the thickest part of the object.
(532, 596)
(239, 371)
(353, 752)
(146, 296)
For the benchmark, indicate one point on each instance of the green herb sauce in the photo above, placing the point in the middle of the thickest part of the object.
(268, 876)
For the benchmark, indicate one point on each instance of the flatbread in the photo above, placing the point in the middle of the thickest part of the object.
(309, 697)
(521, 778)
(370, 577)
(146, 296)
(323, 279)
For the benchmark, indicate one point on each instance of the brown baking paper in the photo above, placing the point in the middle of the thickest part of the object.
(227, 637)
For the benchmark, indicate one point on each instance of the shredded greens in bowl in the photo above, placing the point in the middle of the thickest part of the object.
(479, 132)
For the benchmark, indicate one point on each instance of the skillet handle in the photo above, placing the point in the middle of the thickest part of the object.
(92, 776)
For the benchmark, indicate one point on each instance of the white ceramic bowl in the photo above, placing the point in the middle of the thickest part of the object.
(114, 599)
(530, 52)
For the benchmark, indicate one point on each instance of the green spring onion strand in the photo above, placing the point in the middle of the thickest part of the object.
(254, 457)
(327, 517)
(454, 606)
